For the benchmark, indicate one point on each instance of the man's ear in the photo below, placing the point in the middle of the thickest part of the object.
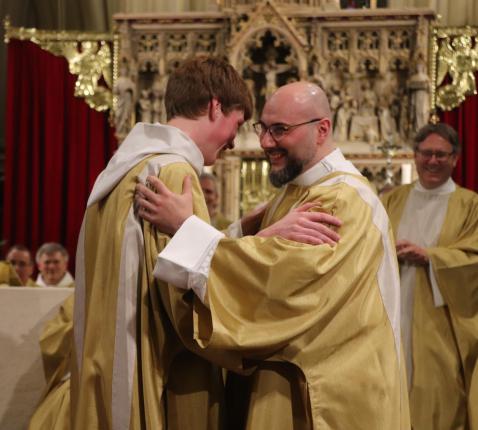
(214, 109)
(324, 128)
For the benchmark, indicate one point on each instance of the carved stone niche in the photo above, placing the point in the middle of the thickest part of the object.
(371, 62)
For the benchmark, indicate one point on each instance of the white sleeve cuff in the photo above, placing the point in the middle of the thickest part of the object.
(437, 297)
(234, 231)
(186, 260)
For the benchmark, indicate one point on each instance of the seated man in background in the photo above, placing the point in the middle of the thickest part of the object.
(20, 258)
(211, 195)
(52, 261)
(436, 227)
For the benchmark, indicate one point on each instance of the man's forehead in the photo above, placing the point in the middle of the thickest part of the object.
(275, 115)
(18, 253)
(435, 140)
(207, 183)
(53, 256)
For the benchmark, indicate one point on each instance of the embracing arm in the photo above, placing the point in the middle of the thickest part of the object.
(168, 211)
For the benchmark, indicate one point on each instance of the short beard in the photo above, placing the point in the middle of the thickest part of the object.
(292, 169)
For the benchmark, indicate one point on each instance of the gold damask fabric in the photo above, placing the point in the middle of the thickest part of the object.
(53, 412)
(220, 222)
(309, 322)
(8, 276)
(171, 387)
(445, 339)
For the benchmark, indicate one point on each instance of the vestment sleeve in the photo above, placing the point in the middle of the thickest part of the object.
(185, 261)
(56, 343)
(456, 265)
(263, 292)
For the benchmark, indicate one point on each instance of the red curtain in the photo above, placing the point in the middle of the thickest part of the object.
(464, 119)
(55, 147)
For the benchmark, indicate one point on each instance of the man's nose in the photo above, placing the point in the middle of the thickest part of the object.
(267, 141)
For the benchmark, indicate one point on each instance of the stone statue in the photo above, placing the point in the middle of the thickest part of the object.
(342, 119)
(159, 89)
(145, 106)
(368, 102)
(419, 85)
(125, 91)
(270, 69)
(388, 126)
(364, 125)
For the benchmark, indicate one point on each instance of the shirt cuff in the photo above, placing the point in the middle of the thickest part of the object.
(437, 296)
(186, 260)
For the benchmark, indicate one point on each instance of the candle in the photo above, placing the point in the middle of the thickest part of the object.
(406, 173)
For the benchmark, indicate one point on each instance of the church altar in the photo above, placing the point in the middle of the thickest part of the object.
(25, 311)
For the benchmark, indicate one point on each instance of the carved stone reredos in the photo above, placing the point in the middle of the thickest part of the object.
(364, 59)
(370, 63)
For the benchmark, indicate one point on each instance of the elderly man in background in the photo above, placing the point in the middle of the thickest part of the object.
(211, 195)
(52, 261)
(20, 258)
(436, 226)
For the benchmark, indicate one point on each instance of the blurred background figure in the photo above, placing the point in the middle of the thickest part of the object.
(52, 261)
(8, 276)
(436, 227)
(211, 195)
(20, 258)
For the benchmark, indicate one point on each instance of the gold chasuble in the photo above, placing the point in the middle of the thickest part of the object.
(316, 326)
(8, 276)
(444, 332)
(53, 412)
(131, 369)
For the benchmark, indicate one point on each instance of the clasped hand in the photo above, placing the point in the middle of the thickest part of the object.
(408, 252)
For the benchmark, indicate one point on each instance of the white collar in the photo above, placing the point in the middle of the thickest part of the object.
(446, 188)
(333, 162)
(142, 141)
(66, 281)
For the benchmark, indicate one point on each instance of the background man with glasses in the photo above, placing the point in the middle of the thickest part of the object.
(436, 226)
(316, 327)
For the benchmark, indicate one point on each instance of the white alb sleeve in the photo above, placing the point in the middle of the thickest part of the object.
(186, 260)
(437, 296)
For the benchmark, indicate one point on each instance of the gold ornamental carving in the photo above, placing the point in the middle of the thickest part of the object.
(89, 58)
(455, 61)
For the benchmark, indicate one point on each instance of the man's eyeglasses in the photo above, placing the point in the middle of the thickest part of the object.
(278, 131)
(439, 155)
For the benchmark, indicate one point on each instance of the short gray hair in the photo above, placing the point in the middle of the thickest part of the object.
(443, 130)
(51, 248)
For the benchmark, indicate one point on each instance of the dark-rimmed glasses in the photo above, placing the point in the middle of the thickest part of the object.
(278, 131)
(426, 154)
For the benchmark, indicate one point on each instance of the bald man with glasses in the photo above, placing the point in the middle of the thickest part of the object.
(315, 328)
(436, 227)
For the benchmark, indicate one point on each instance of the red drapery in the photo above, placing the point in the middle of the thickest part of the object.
(55, 147)
(464, 119)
